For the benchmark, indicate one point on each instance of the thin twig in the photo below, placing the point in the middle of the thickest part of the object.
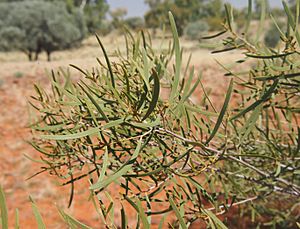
(230, 205)
(295, 187)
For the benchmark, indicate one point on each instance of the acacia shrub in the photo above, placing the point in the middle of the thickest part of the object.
(173, 155)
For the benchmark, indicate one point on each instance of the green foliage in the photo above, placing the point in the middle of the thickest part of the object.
(258, 7)
(272, 36)
(118, 17)
(156, 17)
(194, 30)
(105, 28)
(37, 215)
(173, 155)
(183, 10)
(11, 38)
(35, 26)
(135, 23)
(211, 9)
(214, 23)
(94, 13)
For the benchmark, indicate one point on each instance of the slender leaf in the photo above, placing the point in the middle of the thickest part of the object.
(122, 171)
(82, 134)
(249, 16)
(215, 219)
(229, 16)
(142, 215)
(175, 83)
(72, 222)
(292, 21)
(177, 213)
(155, 95)
(100, 110)
(3, 208)
(17, 220)
(214, 35)
(79, 69)
(37, 215)
(258, 102)
(269, 57)
(107, 61)
(223, 111)
(262, 19)
(161, 222)
(124, 218)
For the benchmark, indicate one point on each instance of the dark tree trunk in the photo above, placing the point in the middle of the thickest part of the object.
(36, 56)
(29, 54)
(48, 55)
(154, 32)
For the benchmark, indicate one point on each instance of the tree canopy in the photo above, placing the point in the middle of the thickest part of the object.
(35, 26)
(94, 10)
(184, 12)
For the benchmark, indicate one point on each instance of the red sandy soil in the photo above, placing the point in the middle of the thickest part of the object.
(15, 168)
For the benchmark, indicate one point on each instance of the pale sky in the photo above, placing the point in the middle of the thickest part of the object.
(138, 7)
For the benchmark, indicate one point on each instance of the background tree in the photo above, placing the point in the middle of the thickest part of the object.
(117, 16)
(293, 5)
(194, 30)
(212, 12)
(258, 7)
(135, 23)
(40, 26)
(153, 3)
(94, 12)
(272, 37)
(213, 8)
(184, 11)
(156, 16)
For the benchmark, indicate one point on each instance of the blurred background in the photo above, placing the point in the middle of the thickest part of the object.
(34, 27)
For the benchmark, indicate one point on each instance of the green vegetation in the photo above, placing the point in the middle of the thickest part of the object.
(184, 12)
(173, 157)
(94, 12)
(272, 36)
(194, 160)
(36, 26)
(135, 23)
(118, 17)
(195, 30)
(50, 25)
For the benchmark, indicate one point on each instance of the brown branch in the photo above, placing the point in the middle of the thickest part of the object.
(295, 187)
